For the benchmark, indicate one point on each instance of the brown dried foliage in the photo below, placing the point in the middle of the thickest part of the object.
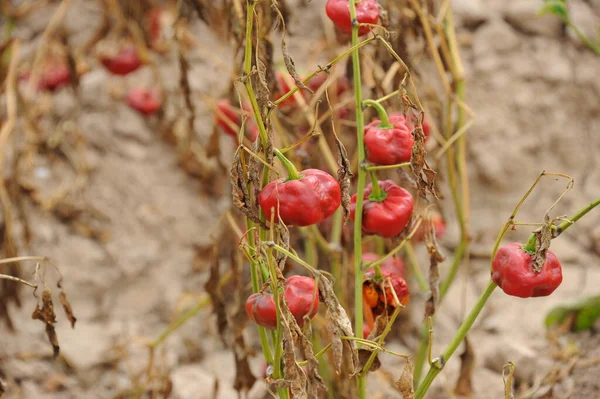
(405, 383)
(435, 257)
(464, 384)
(46, 315)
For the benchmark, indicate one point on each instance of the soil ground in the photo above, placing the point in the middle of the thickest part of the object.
(536, 95)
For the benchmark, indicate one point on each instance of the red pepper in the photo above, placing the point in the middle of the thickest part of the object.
(124, 62)
(145, 101)
(392, 266)
(512, 270)
(438, 225)
(55, 75)
(303, 199)
(388, 142)
(367, 12)
(302, 298)
(411, 123)
(398, 284)
(228, 118)
(386, 213)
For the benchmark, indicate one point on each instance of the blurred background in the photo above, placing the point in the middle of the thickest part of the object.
(116, 170)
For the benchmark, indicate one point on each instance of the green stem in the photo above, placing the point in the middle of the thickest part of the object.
(358, 273)
(531, 242)
(584, 38)
(437, 367)
(383, 116)
(377, 194)
(289, 166)
(386, 167)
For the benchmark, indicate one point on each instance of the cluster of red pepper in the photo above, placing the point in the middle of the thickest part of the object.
(120, 59)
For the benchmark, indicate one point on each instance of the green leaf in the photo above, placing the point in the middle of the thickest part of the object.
(585, 312)
(556, 7)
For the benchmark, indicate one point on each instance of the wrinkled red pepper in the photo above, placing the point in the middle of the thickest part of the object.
(228, 118)
(512, 270)
(388, 143)
(55, 74)
(145, 101)
(392, 266)
(124, 62)
(302, 298)
(387, 213)
(303, 199)
(367, 12)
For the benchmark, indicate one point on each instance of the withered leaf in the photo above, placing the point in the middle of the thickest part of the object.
(363, 356)
(338, 324)
(213, 289)
(435, 257)
(47, 316)
(543, 236)
(464, 384)
(67, 308)
(344, 175)
(405, 382)
(184, 85)
(240, 195)
(2, 388)
(293, 373)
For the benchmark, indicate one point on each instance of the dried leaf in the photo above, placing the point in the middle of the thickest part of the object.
(435, 257)
(67, 308)
(543, 236)
(464, 384)
(293, 373)
(46, 315)
(263, 94)
(241, 197)
(338, 324)
(405, 383)
(344, 174)
(363, 356)
(2, 388)
(213, 289)
(184, 85)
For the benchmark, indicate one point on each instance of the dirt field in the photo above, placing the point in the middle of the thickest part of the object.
(127, 252)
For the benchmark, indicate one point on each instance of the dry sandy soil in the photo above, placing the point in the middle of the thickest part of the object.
(536, 94)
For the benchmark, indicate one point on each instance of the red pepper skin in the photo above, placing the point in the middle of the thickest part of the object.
(54, 76)
(145, 101)
(398, 284)
(125, 62)
(392, 267)
(512, 270)
(261, 310)
(302, 297)
(302, 202)
(367, 12)
(389, 146)
(300, 294)
(386, 218)
(227, 115)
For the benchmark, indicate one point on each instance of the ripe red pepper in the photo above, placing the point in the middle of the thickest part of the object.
(386, 213)
(55, 75)
(388, 143)
(145, 101)
(398, 284)
(303, 199)
(367, 12)
(300, 294)
(228, 118)
(512, 270)
(438, 224)
(124, 62)
(392, 266)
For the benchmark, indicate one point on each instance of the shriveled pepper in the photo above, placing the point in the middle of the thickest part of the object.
(55, 74)
(228, 119)
(386, 210)
(388, 141)
(145, 101)
(302, 298)
(513, 271)
(367, 12)
(303, 199)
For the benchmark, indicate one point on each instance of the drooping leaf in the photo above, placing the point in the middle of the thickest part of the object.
(582, 314)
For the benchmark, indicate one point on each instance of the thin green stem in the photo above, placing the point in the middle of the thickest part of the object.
(383, 116)
(358, 273)
(289, 166)
(438, 366)
(377, 194)
(387, 167)
(592, 46)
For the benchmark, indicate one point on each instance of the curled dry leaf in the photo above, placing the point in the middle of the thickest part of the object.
(67, 308)
(435, 257)
(464, 384)
(293, 372)
(338, 325)
(405, 383)
(241, 197)
(344, 175)
(543, 236)
(213, 289)
(46, 315)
